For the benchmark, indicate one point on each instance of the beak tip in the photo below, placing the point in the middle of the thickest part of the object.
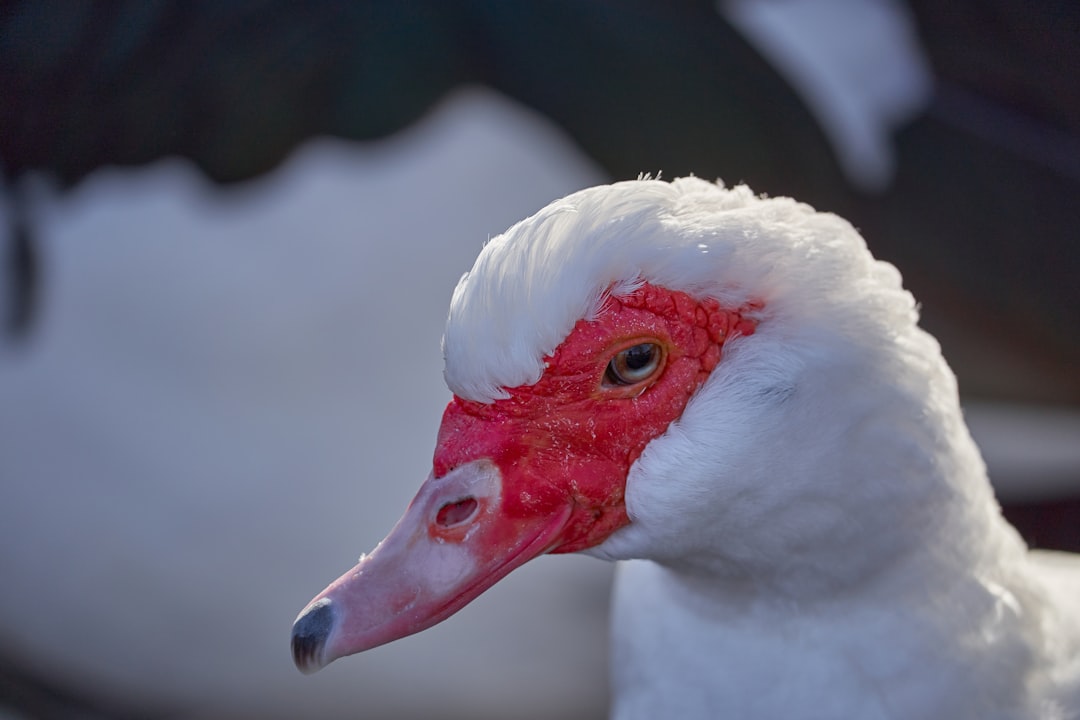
(309, 635)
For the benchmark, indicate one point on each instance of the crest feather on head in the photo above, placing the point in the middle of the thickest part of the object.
(531, 284)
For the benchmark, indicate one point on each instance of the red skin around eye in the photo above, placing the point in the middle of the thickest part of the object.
(543, 470)
(570, 438)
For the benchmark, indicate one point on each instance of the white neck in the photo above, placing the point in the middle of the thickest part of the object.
(833, 569)
(923, 639)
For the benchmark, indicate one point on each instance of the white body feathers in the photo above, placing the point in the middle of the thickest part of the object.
(815, 536)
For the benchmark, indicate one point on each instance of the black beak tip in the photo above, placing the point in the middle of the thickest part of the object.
(309, 634)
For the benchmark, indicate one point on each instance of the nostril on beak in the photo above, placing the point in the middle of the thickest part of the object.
(309, 634)
(456, 513)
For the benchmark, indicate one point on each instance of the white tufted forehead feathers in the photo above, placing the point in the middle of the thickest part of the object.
(530, 285)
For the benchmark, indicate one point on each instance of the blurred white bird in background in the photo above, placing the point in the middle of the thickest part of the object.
(230, 392)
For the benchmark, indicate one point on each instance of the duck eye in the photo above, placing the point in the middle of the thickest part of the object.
(633, 365)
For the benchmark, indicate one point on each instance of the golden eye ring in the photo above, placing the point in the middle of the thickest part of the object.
(634, 365)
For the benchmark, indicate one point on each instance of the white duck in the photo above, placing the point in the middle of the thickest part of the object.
(733, 395)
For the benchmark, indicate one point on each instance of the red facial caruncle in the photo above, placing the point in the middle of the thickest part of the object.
(572, 436)
(542, 470)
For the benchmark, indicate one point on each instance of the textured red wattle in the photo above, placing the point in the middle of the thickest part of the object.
(543, 470)
(570, 438)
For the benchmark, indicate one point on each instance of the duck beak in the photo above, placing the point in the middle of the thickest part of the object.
(455, 540)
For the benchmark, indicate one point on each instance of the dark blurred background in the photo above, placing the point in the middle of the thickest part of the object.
(947, 132)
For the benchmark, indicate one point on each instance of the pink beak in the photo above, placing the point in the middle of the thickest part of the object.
(541, 470)
(453, 543)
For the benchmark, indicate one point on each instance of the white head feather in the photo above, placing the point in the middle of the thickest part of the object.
(532, 283)
(824, 459)
(799, 421)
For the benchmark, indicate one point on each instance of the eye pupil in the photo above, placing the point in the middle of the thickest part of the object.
(639, 356)
(633, 365)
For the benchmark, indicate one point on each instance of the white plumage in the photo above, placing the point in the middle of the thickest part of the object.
(814, 536)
